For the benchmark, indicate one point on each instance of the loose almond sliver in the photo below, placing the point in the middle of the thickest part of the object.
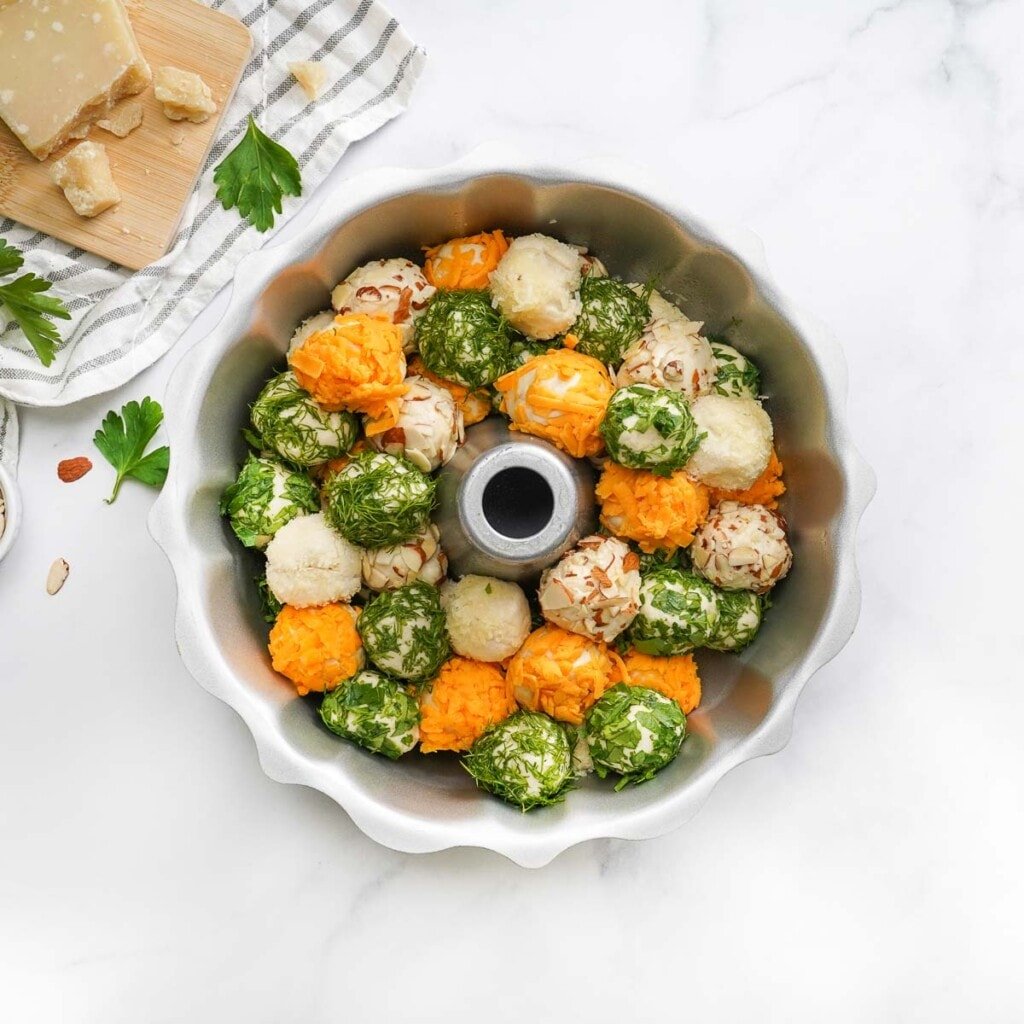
(57, 576)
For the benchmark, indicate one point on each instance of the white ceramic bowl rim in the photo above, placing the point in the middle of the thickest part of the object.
(12, 510)
(197, 642)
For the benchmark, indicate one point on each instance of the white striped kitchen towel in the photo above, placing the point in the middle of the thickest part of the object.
(124, 322)
(8, 436)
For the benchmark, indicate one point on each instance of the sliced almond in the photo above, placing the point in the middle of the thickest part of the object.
(57, 576)
(742, 556)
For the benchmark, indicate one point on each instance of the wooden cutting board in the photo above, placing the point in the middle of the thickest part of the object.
(157, 165)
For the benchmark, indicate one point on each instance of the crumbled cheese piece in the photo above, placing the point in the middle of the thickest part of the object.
(84, 175)
(124, 120)
(92, 46)
(310, 75)
(184, 95)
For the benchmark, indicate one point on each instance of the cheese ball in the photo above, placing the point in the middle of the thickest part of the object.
(646, 427)
(670, 354)
(612, 317)
(659, 513)
(594, 590)
(465, 262)
(265, 496)
(308, 564)
(288, 422)
(536, 286)
(428, 430)
(316, 648)
(737, 443)
(393, 289)
(674, 675)
(464, 699)
(525, 760)
(403, 631)
(678, 612)
(488, 619)
(462, 338)
(378, 500)
(739, 619)
(735, 375)
(562, 673)
(374, 711)
(310, 326)
(742, 547)
(561, 397)
(473, 403)
(418, 558)
(355, 364)
(634, 732)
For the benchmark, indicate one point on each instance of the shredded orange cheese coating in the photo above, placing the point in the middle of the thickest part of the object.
(466, 697)
(316, 648)
(676, 676)
(465, 262)
(765, 490)
(356, 364)
(562, 673)
(475, 405)
(560, 396)
(658, 512)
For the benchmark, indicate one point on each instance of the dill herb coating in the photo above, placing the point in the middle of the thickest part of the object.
(651, 428)
(612, 318)
(378, 500)
(404, 633)
(462, 337)
(288, 421)
(526, 760)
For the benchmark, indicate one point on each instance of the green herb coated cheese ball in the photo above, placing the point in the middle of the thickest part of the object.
(461, 337)
(634, 732)
(739, 619)
(265, 496)
(403, 631)
(526, 760)
(378, 500)
(612, 318)
(289, 422)
(374, 711)
(736, 376)
(650, 428)
(678, 612)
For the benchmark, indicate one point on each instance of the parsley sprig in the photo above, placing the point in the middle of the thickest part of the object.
(122, 440)
(25, 303)
(255, 176)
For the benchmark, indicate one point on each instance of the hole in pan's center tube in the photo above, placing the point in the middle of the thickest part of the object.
(518, 502)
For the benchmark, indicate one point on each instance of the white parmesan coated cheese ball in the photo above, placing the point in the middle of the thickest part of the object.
(737, 445)
(742, 547)
(536, 286)
(310, 564)
(419, 558)
(488, 619)
(310, 326)
(429, 428)
(394, 288)
(594, 590)
(671, 353)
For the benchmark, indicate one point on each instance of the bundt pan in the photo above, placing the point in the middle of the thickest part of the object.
(425, 803)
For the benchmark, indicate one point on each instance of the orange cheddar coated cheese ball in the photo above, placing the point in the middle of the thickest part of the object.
(676, 676)
(658, 512)
(464, 700)
(465, 262)
(356, 364)
(316, 648)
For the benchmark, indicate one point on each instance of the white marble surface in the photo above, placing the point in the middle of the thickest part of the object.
(149, 872)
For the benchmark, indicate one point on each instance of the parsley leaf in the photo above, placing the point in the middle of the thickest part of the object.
(122, 440)
(28, 307)
(255, 175)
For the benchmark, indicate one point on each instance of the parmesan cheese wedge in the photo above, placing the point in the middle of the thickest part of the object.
(184, 95)
(310, 75)
(63, 64)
